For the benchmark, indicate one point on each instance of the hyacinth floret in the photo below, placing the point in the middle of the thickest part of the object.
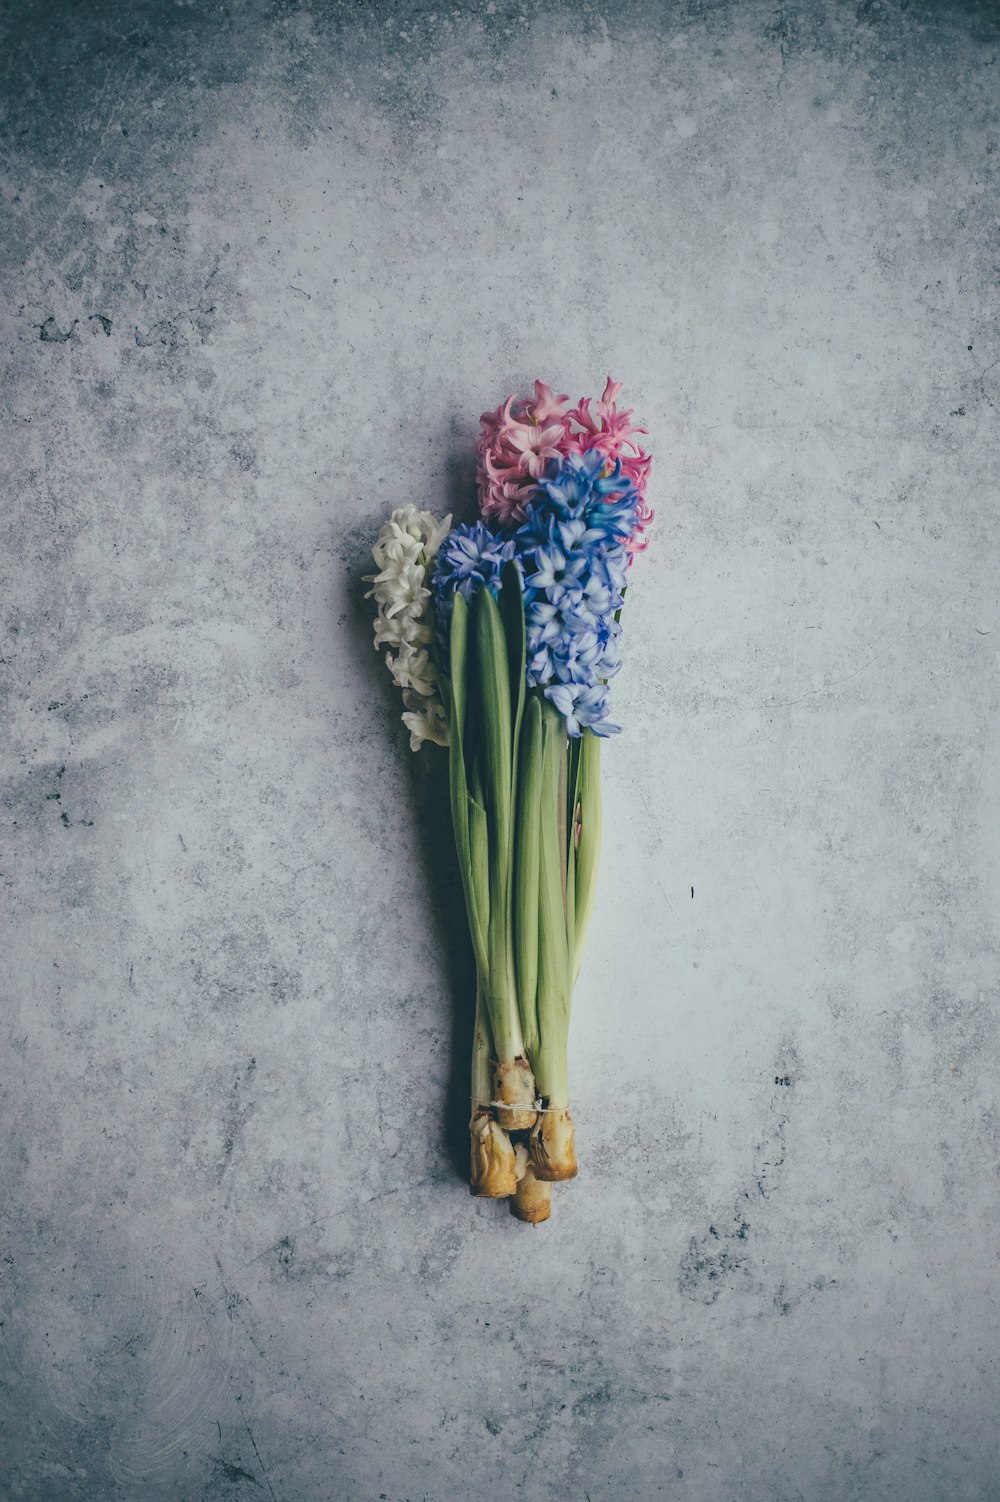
(583, 707)
(521, 439)
(470, 558)
(403, 554)
(573, 549)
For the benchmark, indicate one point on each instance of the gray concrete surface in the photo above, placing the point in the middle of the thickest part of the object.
(263, 266)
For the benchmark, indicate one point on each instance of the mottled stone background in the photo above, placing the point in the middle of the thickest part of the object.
(263, 266)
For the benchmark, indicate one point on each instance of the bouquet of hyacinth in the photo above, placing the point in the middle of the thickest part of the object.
(504, 635)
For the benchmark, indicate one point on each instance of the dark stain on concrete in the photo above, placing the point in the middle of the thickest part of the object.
(235, 1474)
(49, 332)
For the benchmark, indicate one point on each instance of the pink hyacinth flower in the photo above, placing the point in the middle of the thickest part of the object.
(547, 407)
(517, 441)
(535, 445)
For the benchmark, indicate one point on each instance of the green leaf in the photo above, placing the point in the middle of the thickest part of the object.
(572, 785)
(553, 958)
(479, 882)
(464, 810)
(526, 869)
(589, 849)
(511, 606)
(456, 729)
(493, 692)
(565, 847)
(494, 760)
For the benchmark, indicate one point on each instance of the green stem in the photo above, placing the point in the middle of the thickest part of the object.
(482, 1049)
(468, 817)
(588, 849)
(572, 780)
(526, 870)
(491, 785)
(552, 1070)
(551, 1073)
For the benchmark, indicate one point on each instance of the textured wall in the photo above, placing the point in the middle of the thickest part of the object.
(263, 267)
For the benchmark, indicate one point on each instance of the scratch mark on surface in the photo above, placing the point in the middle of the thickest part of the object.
(48, 234)
(114, 109)
(239, 1401)
(238, 1396)
(658, 843)
(834, 682)
(981, 383)
(289, 1236)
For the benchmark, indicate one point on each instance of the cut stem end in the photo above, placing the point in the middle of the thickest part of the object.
(493, 1172)
(532, 1200)
(514, 1094)
(553, 1153)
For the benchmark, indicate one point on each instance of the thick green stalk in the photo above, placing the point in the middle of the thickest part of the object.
(551, 1075)
(495, 767)
(587, 841)
(468, 817)
(511, 604)
(572, 781)
(526, 871)
(551, 1149)
(482, 1050)
(479, 867)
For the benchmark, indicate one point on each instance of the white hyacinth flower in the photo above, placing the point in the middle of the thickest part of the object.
(403, 552)
(425, 719)
(399, 629)
(413, 668)
(404, 591)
